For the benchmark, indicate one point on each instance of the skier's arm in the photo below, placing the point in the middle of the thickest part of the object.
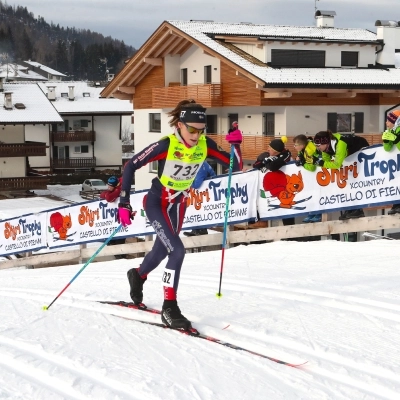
(340, 155)
(154, 152)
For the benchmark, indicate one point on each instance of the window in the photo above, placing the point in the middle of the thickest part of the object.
(61, 152)
(207, 74)
(349, 59)
(184, 77)
(84, 123)
(86, 94)
(155, 122)
(269, 124)
(153, 167)
(298, 58)
(64, 94)
(81, 149)
(212, 123)
(346, 123)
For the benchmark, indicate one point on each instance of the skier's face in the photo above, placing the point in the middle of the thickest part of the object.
(389, 124)
(191, 132)
(299, 146)
(322, 147)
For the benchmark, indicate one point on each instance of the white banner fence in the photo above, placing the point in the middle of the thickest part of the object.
(368, 178)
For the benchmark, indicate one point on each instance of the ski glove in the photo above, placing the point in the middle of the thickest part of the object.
(260, 165)
(388, 135)
(125, 214)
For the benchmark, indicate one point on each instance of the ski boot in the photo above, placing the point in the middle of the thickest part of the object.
(171, 316)
(136, 283)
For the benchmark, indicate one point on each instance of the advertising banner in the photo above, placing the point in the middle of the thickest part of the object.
(22, 234)
(206, 205)
(370, 177)
(367, 178)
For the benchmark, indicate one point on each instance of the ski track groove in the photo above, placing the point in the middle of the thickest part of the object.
(17, 363)
(302, 295)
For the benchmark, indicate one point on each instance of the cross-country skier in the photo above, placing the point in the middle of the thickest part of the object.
(179, 156)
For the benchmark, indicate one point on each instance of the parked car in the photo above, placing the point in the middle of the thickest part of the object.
(93, 184)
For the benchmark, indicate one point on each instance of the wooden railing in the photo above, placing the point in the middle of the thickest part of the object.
(208, 95)
(74, 136)
(252, 146)
(27, 149)
(26, 183)
(88, 162)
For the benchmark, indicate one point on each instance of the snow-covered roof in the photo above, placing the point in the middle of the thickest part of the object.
(44, 68)
(86, 99)
(202, 31)
(18, 72)
(200, 28)
(38, 109)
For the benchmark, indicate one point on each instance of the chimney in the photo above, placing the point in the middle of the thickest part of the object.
(1, 85)
(51, 94)
(325, 19)
(71, 93)
(8, 100)
(389, 33)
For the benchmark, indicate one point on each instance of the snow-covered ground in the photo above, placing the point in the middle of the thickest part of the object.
(335, 305)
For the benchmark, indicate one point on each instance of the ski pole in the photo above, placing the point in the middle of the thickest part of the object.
(86, 264)
(228, 196)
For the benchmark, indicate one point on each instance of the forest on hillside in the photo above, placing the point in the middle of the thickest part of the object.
(79, 53)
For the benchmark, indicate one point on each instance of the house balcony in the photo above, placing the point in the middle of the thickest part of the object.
(27, 149)
(74, 136)
(73, 163)
(253, 146)
(208, 95)
(24, 183)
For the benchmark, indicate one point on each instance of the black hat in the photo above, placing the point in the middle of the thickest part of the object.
(193, 114)
(277, 145)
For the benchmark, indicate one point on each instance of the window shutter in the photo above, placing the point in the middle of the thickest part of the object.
(298, 58)
(358, 122)
(332, 122)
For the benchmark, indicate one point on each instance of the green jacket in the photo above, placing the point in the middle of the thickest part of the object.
(337, 151)
(309, 156)
(388, 144)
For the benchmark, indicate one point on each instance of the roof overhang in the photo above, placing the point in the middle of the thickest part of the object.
(166, 40)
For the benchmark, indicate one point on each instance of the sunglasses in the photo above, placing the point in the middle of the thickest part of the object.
(319, 141)
(193, 130)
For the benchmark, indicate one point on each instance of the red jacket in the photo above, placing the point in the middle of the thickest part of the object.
(112, 196)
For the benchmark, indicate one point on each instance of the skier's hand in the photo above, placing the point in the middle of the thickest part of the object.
(125, 214)
(260, 165)
(389, 136)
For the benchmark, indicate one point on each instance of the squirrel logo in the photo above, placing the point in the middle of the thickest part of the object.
(284, 187)
(61, 224)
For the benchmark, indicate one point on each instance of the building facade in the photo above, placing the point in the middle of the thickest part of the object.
(274, 80)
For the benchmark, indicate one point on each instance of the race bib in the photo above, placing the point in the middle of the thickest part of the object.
(168, 277)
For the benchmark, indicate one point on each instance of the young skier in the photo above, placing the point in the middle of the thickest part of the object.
(180, 156)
